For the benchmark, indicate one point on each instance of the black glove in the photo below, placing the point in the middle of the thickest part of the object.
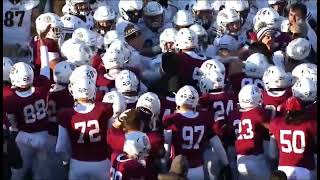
(169, 63)
(225, 173)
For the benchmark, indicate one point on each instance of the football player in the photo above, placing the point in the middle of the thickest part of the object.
(305, 70)
(276, 85)
(59, 97)
(132, 162)
(77, 52)
(253, 69)
(220, 102)
(19, 17)
(152, 26)
(77, 14)
(189, 132)
(26, 112)
(105, 19)
(294, 138)
(7, 67)
(183, 19)
(52, 40)
(83, 129)
(90, 38)
(130, 11)
(187, 42)
(130, 87)
(250, 124)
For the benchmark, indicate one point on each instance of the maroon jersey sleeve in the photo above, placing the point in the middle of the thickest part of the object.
(115, 139)
(133, 169)
(156, 140)
(168, 122)
(42, 81)
(63, 117)
(168, 106)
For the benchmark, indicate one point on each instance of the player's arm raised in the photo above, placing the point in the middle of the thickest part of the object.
(45, 69)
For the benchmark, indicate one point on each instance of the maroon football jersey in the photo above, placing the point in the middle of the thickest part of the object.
(231, 132)
(295, 142)
(125, 169)
(87, 131)
(115, 139)
(273, 102)
(52, 46)
(104, 85)
(251, 131)
(190, 136)
(168, 106)
(57, 100)
(186, 65)
(30, 112)
(238, 80)
(6, 93)
(97, 64)
(220, 105)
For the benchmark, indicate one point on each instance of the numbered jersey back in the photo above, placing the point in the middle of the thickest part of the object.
(239, 80)
(16, 22)
(273, 102)
(87, 131)
(57, 100)
(30, 112)
(250, 131)
(296, 142)
(190, 135)
(124, 168)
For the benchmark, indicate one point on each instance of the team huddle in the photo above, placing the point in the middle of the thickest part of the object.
(140, 89)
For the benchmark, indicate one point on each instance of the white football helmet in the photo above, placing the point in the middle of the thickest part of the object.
(239, 5)
(183, 18)
(137, 144)
(127, 81)
(305, 89)
(203, 39)
(305, 70)
(268, 16)
(7, 65)
(255, 65)
(227, 42)
(117, 100)
(76, 52)
(210, 65)
(200, 8)
(105, 18)
(285, 24)
(62, 72)
(131, 10)
(249, 96)
(226, 16)
(298, 49)
(123, 47)
(79, 7)
(187, 95)
(54, 20)
(186, 39)
(109, 37)
(211, 81)
(88, 37)
(113, 59)
(274, 77)
(150, 101)
(21, 75)
(84, 71)
(104, 13)
(83, 88)
(71, 22)
(153, 15)
(167, 36)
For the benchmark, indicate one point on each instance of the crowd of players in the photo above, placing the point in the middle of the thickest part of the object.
(160, 90)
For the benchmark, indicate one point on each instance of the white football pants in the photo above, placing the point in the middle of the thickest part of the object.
(252, 167)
